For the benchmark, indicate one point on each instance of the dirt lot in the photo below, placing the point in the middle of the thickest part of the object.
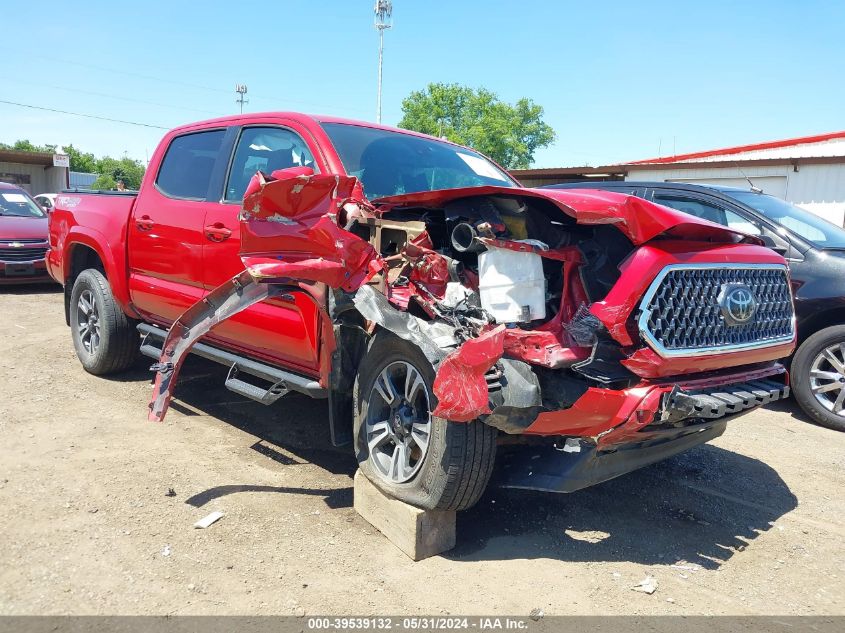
(751, 524)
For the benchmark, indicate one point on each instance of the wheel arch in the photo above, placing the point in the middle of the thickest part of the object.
(819, 321)
(350, 340)
(79, 256)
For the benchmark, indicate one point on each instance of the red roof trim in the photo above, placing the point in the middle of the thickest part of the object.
(801, 140)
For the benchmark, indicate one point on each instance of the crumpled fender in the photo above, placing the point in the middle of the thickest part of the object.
(459, 385)
(229, 298)
(639, 220)
(290, 229)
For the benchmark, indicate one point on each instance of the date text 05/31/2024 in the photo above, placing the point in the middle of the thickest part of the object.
(417, 623)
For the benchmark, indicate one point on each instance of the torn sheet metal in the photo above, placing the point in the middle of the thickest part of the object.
(459, 385)
(290, 228)
(226, 300)
(434, 338)
(639, 220)
(543, 348)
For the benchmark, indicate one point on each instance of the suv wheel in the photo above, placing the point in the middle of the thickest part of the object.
(818, 377)
(106, 341)
(404, 450)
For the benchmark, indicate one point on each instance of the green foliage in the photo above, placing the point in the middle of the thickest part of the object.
(129, 171)
(79, 161)
(105, 182)
(509, 134)
(110, 169)
(25, 145)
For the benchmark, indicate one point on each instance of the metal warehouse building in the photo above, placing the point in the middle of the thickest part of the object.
(807, 171)
(36, 172)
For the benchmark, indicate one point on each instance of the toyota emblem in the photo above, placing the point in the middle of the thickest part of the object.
(738, 304)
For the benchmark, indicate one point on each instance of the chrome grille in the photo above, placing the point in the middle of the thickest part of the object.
(27, 240)
(22, 254)
(680, 313)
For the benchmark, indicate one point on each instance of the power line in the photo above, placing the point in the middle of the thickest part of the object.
(124, 72)
(108, 96)
(182, 84)
(87, 116)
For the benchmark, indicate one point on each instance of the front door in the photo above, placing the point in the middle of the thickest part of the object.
(284, 330)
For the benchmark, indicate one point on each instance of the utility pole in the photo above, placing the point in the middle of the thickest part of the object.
(241, 90)
(383, 21)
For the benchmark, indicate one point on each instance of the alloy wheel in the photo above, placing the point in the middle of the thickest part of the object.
(398, 424)
(88, 322)
(827, 378)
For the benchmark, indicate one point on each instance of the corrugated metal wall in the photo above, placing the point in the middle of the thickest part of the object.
(41, 179)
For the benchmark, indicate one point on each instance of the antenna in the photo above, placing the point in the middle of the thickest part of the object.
(383, 20)
(747, 179)
(241, 90)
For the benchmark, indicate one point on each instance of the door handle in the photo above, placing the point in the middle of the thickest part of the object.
(144, 223)
(217, 232)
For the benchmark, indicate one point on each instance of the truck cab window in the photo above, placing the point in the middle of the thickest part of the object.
(265, 149)
(186, 169)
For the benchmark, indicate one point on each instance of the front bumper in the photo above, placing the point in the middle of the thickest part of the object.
(682, 418)
(612, 416)
(23, 272)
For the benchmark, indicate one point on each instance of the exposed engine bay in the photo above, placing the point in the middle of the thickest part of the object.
(512, 277)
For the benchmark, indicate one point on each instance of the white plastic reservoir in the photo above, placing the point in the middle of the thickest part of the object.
(512, 285)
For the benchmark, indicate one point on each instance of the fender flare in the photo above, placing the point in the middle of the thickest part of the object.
(115, 271)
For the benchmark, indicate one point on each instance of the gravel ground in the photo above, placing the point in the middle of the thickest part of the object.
(749, 524)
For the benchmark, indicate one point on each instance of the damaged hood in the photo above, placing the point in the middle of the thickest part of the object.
(639, 220)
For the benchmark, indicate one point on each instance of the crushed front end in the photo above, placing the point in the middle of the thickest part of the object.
(591, 324)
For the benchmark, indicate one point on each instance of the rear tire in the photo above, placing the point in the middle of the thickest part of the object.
(452, 470)
(105, 339)
(818, 377)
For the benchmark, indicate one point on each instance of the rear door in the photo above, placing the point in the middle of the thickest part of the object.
(283, 330)
(166, 229)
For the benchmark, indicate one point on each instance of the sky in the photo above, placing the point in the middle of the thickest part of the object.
(618, 80)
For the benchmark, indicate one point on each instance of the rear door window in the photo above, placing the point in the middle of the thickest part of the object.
(186, 169)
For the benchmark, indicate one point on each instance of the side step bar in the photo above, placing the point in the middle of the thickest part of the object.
(282, 381)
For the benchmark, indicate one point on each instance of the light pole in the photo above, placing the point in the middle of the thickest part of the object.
(241, 90)
(383, 20)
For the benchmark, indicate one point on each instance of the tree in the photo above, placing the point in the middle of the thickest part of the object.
(25, 145)
(509, 134)
(80, 161)
(112, 169)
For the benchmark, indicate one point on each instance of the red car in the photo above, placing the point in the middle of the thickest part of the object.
(23, 237)
(440, 307)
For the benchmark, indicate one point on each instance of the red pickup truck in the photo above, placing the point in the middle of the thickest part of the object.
(441, 308)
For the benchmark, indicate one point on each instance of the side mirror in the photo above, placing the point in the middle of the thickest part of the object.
(768, 242)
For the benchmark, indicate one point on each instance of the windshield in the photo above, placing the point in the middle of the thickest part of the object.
(17, 203)
(803, 223)
(391, 163)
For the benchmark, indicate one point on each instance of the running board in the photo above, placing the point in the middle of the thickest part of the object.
(282, 382)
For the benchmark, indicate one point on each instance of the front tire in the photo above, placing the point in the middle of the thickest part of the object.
(406, 452)
(105, 339)
(818, 377)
